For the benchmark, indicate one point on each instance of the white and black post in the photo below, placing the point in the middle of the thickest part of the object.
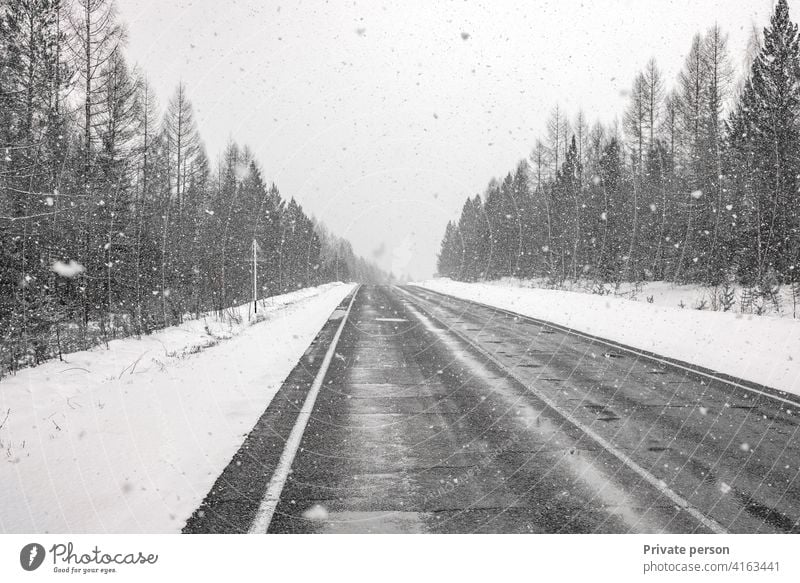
(255, 278)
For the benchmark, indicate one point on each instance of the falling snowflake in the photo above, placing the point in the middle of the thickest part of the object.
(70, 270)
(316, 513)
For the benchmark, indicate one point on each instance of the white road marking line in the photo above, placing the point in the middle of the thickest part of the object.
(391, 320)
(272, 496)
(629, 349)
(660, 485)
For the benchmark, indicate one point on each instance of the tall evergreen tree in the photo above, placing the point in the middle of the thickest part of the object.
(765, 140)
(33, 79)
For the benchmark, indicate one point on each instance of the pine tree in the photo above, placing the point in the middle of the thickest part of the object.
(766, 143)
(653, 85)
(692, 92)
(116, 132)
(184, 143)
(32, 83)
(720, 74)
(447, 262)
(569, 188)
(611, 180)
(557, 130)
(527, 234)
(636, 121)
(95, 37)
(145, 201)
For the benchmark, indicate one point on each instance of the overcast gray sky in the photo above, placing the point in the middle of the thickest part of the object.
(381, 117)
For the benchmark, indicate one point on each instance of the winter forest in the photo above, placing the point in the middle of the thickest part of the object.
(697, 183)
(113, 219)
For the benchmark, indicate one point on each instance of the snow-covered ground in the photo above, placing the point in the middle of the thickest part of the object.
(785, 303)
(763, 349)
(130, 439)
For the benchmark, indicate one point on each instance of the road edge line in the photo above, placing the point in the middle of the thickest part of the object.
(272, 495)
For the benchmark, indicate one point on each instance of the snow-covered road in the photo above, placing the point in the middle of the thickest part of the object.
(130, 439)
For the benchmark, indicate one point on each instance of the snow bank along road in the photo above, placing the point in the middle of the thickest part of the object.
(434, 414)
(130, 439)
(759, 349)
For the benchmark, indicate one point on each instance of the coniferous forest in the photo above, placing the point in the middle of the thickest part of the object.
(696, 183)
(113, 219)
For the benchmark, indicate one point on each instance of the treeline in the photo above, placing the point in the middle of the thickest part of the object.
(698, 183)
(113, 220)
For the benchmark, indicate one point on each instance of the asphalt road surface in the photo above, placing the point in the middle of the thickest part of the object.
(433, 414)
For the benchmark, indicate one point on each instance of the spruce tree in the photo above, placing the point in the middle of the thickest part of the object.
(765, 140)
